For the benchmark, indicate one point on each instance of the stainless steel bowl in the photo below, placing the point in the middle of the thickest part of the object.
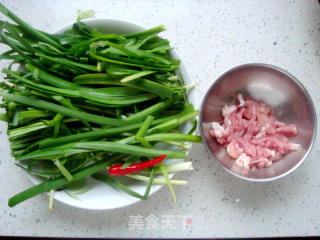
(289, 99)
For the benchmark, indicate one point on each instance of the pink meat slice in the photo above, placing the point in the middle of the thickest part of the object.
(252, 135)
(289, 130)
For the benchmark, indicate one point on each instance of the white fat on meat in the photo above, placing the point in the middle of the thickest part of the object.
(243, 161)
(263, 131)
(262, 163)
(272, 153)
(294, 147)
(226, 110)
(218, 130)
(234, 150)
(241, 101)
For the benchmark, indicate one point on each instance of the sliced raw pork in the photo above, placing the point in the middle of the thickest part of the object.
(252, 135)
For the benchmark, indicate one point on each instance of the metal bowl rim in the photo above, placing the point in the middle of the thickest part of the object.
(305, 91)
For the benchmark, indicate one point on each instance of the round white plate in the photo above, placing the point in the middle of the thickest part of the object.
(102, 196)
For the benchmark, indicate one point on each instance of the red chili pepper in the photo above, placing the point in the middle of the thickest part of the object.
(116, 170)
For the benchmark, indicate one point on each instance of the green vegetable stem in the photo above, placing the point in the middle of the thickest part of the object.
(84, 100)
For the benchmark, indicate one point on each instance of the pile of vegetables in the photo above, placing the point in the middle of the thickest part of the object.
(85, 103)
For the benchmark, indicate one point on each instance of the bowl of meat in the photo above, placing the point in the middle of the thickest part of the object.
(258, 122)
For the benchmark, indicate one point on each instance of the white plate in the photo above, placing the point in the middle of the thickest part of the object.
(102, 196)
